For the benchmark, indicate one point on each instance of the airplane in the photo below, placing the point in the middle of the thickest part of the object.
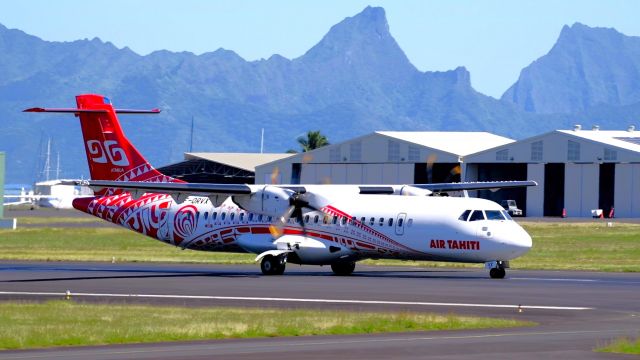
(335, 225)
(46, 201)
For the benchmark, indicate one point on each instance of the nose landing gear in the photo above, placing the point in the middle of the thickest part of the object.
(497, 269)
(497, 273)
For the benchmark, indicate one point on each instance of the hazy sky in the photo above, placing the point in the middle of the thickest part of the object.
(493, 39)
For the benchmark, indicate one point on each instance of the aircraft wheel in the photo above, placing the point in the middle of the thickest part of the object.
(268, 265)
(343, 268)
(497, 273)
(272, 265)
(280, 268)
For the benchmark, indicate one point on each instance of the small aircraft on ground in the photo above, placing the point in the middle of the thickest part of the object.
(334, 225)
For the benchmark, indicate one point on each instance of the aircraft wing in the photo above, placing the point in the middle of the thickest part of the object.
(207, 189)
(165, 187)
(480, 185)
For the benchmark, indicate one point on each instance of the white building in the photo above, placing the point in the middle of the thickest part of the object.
(382, 157)
(577, 170)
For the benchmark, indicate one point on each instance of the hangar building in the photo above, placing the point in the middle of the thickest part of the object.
(382, 157)
(577, 170)
(229, 168)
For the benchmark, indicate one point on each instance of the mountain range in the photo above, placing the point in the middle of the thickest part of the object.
(354, 81)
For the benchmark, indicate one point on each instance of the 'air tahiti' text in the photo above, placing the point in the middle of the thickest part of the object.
(455, 244)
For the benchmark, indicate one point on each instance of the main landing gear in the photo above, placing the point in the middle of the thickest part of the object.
(343, 268)
(273, 265)
(498, 269)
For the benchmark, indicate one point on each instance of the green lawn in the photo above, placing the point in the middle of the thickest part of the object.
(556, 246)
(65, 323)
(623, 346)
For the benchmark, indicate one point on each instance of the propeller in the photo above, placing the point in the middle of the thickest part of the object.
(431, 160)
(297, 203)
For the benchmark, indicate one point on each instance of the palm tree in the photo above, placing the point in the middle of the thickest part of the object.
(313, 141)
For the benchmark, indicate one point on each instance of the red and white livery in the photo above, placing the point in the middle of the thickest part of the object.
(334, 225)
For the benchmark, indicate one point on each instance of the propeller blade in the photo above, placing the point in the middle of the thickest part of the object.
(277, 228)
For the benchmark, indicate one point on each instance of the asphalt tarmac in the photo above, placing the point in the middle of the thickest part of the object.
(577, 311)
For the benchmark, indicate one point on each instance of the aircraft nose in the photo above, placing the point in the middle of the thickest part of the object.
(515, 242)
(520, 242)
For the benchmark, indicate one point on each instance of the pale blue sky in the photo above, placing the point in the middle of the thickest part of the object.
(494, 39)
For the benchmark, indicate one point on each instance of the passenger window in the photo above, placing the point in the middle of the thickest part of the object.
(241, 217)
(381, 221)
(476, 215)
(363, 220)
(465, 215)
(306, 219)
(344, 220)
(400, 221)
(222, 216)
(315, 219)
(206, 215)
(233, 215)
(372, 221)
(390, 221)
(270, 219)
(335, 219)
(215, 215)
(494, 215)
(260, 218)
(325, 219)
(250, 216)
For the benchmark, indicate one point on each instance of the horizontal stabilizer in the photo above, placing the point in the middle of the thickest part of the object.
(78, 111)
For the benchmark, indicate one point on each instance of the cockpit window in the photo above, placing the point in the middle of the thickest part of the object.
(494, 215)
(476, 215)
(506, 215)
(465, 215)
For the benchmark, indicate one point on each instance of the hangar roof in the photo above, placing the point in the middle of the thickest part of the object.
(244, 161)
(553, 147)
(456, 142)
(628, 140)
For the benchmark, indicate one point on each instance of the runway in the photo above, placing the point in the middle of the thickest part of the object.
(577, 311)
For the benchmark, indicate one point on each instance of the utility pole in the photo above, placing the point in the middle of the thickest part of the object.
(262, 141)
(191, 142)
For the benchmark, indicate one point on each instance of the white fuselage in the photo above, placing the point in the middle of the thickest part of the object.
(349, 227)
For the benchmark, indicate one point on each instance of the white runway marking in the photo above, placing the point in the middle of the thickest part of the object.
(300, 300)
(550, 279)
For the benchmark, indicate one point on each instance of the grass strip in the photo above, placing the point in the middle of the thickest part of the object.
(622, 346)
(66, 323)
(556, 246)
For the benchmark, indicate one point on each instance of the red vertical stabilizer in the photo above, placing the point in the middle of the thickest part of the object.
(110, 155)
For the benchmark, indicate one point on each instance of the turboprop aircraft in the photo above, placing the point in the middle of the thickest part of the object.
(334, 225)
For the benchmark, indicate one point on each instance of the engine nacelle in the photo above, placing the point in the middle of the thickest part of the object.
(270, 201)
(414, 191)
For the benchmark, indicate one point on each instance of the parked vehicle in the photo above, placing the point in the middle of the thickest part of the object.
(511, 207)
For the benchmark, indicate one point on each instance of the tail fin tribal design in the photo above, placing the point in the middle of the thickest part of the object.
(111, 156)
